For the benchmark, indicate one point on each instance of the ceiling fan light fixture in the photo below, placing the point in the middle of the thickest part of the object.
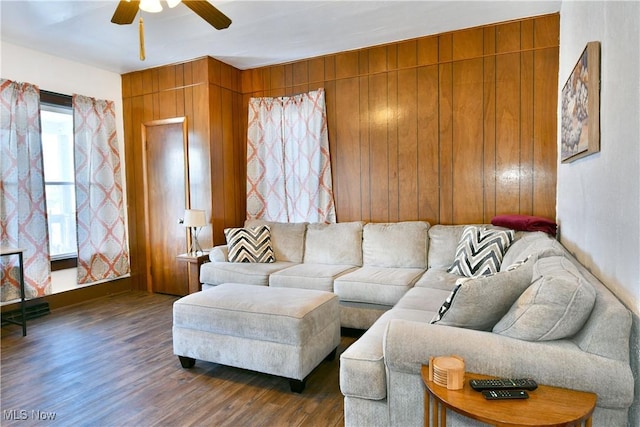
(151, 6)
(173, 3)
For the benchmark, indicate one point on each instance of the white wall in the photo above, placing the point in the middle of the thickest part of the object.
(62, 76)
(598, 206)
(598, 197)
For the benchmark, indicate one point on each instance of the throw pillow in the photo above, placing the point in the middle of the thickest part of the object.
(480, 251)
(479, 303)
(251, 244)
(555, 306)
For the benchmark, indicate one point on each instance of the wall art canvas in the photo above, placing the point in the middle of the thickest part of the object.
(580, 126)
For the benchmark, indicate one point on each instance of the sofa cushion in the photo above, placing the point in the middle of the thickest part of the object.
(480, 251)
(425, 299)
(376, 285)
(309, 276)
(532, 243)
(443, 241)
(437, 279)
(555, 306)
(216, 273)
(400, 244)
(219, 253)
(287, 239)
(339, 243)
(252, 244)
(479, 303)
(362, 368)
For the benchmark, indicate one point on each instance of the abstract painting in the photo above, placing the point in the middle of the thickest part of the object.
(580, 126)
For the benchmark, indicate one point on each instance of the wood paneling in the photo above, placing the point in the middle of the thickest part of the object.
(207, 93)
(452, 128)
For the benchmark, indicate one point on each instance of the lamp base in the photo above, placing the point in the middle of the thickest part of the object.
(195, 248)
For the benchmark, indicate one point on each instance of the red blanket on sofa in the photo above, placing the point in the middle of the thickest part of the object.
(526, 223)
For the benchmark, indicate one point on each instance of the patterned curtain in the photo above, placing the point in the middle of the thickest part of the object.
(23, 210)
(288, 162)
(102, 245)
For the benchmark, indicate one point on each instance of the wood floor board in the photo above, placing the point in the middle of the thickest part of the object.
(110, 362)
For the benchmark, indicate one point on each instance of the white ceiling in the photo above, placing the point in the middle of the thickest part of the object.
(262, 32)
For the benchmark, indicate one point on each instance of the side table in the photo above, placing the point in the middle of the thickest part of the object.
(194, 261)
(546, 405)
(4, 251)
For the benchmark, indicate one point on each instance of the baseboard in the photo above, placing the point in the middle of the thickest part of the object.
(76, 296)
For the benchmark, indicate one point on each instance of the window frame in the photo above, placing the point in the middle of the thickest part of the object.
(66, 101)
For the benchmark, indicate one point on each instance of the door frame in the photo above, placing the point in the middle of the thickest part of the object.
(145, 184)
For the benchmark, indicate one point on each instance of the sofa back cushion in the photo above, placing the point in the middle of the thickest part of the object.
(287, 239)
(555, 306)
(339, 243)
(530, 243)
(399, 244)
(443, 241)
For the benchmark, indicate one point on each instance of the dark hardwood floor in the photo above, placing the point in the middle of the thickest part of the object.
(110, 362)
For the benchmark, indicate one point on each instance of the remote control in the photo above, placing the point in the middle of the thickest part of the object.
(504, 394)
(504, 384)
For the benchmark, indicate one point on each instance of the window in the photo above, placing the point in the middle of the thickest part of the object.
(56, 117)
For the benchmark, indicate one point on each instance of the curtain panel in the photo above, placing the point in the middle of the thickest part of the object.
(102, 245)
(23, 211)
(288, 161)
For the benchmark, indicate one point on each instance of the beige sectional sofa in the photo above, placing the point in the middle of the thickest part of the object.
(543, 315)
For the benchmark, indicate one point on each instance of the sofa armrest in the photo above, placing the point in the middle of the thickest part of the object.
(219, 253)
(409, 344)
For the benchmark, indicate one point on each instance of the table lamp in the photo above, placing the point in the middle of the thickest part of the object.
(194, 219)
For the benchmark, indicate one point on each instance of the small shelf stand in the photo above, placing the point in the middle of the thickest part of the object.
(5, 251)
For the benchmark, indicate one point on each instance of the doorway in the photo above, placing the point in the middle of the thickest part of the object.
(166, 196)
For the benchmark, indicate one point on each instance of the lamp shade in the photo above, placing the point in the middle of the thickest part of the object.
(194, 218)
(173, 3)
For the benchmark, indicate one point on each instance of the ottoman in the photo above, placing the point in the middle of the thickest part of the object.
(279, 331)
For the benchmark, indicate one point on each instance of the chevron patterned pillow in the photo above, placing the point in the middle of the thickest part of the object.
(480, 251)
(251, 244)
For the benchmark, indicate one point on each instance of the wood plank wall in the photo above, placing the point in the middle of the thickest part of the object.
(452, 128)
(207, 93)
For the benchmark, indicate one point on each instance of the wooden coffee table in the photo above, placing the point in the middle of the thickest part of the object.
(546, 405)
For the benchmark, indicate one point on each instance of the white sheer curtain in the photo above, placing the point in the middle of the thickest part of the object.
(288, 161)
(102, 246)
(23, 211)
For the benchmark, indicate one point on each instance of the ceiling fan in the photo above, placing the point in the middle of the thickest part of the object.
(128, 9)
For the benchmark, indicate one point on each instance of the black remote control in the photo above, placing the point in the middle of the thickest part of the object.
(504, 384)
(504, 394)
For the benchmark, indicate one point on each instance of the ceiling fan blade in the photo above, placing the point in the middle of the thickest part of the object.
(206, 11)
(125, 12)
